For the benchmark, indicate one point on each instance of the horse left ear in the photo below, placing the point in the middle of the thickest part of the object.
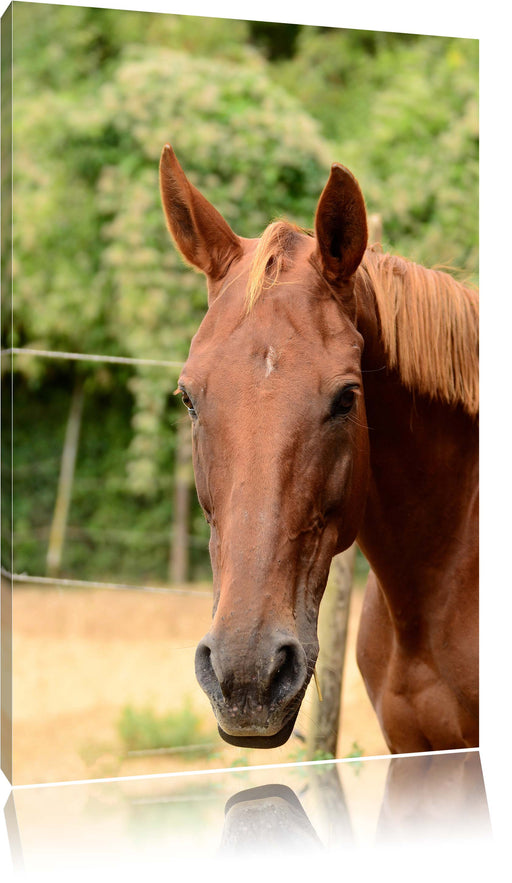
(202, 235)
(340, 226)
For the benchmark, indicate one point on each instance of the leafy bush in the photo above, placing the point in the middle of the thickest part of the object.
(143, 730)
(112, 533)
(94, 265)
(402, 112)
(96, 95)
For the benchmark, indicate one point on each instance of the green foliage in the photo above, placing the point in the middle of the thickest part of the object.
(301, 755)
(112, 534)
(241, 761)
(96, 95)
(276, 39)
(298, 755)
(87, 189)
(323, 755)
(402, 113)
(86, 181)
(63, 46)
(355, 752)
(143, 730)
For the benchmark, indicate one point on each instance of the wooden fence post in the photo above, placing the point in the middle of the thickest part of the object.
(65, 484)
(332, 632)
(332, 625)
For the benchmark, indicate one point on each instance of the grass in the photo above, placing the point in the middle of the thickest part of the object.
(177, 731)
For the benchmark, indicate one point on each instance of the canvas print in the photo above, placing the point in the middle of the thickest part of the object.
(240, 393)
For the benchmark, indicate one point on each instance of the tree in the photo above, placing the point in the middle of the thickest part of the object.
(402, 112)
(86, 184)
(98, 92)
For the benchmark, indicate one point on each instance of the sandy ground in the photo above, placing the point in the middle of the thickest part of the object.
(80, 656)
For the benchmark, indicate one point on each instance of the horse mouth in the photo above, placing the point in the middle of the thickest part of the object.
(273, 741)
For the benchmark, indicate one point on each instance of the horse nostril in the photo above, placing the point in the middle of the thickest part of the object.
(210, 678)
(288, 672)
(221, 675)
(204, 668)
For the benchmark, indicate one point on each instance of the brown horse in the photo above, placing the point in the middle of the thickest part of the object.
(333, 394)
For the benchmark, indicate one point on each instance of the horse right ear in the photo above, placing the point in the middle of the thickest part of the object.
(340, 226)
(201, 234)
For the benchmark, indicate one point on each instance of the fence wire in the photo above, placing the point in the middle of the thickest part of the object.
(25, 578)
(91, 357)
(96, 584)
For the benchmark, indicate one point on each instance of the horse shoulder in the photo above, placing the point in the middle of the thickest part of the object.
(374, 640)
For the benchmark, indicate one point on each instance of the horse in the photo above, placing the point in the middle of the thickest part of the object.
(333, 395)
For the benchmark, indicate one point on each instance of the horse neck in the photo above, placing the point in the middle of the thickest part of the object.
(422, 495)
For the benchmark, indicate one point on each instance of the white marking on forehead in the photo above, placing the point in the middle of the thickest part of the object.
(270, 361)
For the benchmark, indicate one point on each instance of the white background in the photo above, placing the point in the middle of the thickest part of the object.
(490, 23)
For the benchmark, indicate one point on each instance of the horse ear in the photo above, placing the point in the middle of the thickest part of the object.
(340, 225)
(201, 234)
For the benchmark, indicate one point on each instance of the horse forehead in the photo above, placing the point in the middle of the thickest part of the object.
(297, 336)
(295, 321)
(297, 308)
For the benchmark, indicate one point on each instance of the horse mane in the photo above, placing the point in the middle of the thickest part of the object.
(428, 320)
(274, 253)
(429, 327)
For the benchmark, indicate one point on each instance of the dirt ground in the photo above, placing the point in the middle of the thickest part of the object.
(80, 656)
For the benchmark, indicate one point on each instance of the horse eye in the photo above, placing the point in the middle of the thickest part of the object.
(343, 401)
(187, 401)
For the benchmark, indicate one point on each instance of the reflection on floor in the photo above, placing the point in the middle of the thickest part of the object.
(285, 811)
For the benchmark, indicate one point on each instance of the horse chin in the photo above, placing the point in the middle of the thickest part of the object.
(273, 741)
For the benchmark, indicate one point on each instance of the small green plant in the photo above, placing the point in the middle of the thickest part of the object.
(241, 761)
(298, 755)
(301, 755)
(323, 755)
(355, 752)
(101, 758)
(143, 730)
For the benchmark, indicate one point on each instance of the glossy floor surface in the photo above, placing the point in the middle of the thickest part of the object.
(291, 814)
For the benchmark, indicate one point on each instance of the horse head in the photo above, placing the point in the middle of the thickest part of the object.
(274, 390)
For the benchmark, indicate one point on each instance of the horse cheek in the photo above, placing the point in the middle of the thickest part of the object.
(353, 497)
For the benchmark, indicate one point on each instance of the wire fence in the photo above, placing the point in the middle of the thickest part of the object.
(90, 357)
(35, 537)
(48, 581)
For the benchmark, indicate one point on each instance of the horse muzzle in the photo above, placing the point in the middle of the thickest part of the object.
(255, 696)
